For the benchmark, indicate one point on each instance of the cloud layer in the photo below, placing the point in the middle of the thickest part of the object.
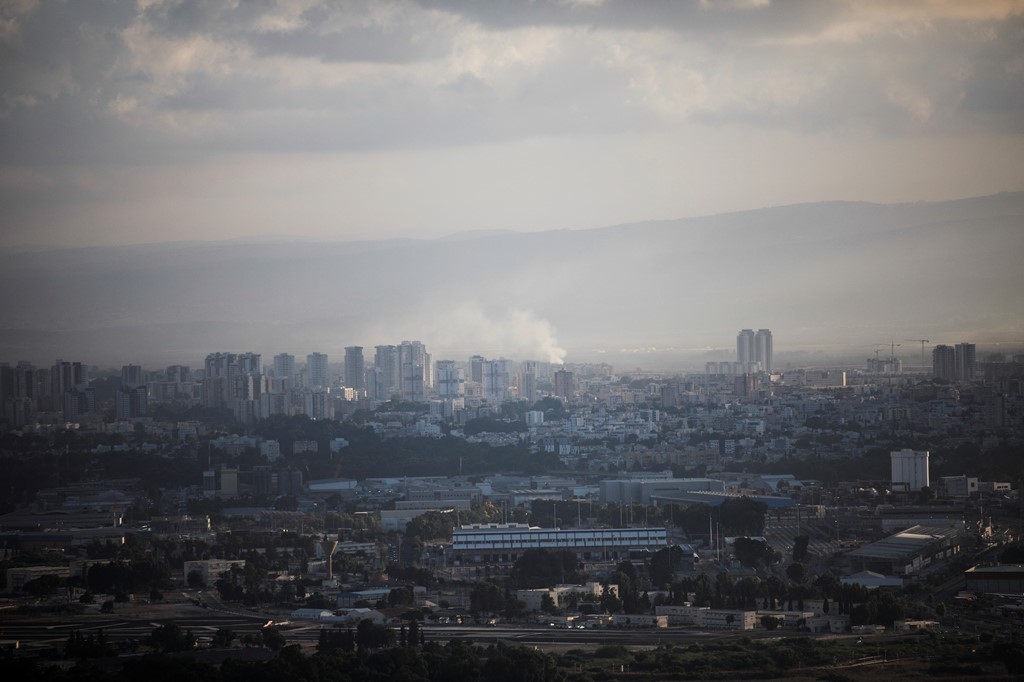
(162, 119)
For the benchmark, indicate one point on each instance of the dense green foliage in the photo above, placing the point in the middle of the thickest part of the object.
(537, 568)
(438, 524)
(752, 552)
(336, 662)
(742, 516)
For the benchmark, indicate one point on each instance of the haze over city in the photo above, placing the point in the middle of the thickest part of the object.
(560, 340)
(369, 172)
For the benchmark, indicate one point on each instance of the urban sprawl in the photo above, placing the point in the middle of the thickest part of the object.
(389, 500)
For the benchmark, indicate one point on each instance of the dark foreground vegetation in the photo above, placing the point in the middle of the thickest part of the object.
(930, 655)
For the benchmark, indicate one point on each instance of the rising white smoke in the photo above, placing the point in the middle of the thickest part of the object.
(515, 333)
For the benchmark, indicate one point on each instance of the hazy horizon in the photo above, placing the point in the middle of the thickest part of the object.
(553, 179)
(843, 279)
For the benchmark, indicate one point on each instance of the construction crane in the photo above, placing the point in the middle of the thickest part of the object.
(922, 342)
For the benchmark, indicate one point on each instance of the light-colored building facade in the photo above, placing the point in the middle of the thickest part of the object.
(910, 469)
(504, 543)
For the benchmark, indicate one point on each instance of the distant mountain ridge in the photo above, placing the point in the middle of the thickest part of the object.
(818, 274)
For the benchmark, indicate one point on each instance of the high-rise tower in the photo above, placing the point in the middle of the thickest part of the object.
(387, 372)
(763, 349)
(316, 371)
(284, 368)
(355, 372)
(745, 346)
(451, 380)
(528, 381)
(415, 371)
(963, 356)
(564, 384)
(944, 362)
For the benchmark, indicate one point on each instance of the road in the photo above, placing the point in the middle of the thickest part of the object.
(128, 623)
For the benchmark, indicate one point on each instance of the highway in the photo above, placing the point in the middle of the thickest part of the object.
(39, 634)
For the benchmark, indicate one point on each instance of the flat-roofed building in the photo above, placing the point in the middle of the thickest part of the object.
(711, 619)
(909, 551)
(995, 579)
(642, 491)
(504, 543)
(19, 575)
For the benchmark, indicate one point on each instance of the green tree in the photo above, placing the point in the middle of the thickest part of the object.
(170, 638)
(372, 636)
(800, 545)
(486, 597)
(414, 633)
(751, 552)
(798, 573)
(223, 638)
(400, 596)
(273, 639)
(537, 568)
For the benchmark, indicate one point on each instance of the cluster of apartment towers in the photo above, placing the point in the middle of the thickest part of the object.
(753, 355)
(237, 381)
(402, 372)
(406, 372)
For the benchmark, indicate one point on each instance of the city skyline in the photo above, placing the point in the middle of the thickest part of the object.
(940, 359)
(432, 338)
(533, 181)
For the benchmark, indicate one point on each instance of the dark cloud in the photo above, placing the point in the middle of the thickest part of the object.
(104, 86)
(75, 68)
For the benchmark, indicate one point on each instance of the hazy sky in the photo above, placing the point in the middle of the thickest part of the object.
(154, 120)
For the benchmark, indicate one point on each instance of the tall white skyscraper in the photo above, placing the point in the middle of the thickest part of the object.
(387, 372)
(745, 346)
(528, 381)
(495, 376)
(416, 374)
(763, 349)
(316, 371)
(754, 348)
(451, 380)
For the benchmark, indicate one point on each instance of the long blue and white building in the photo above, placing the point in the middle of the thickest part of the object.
(505, 542)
